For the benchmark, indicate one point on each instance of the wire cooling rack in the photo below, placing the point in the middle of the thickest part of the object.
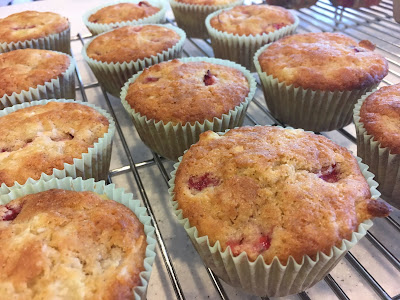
(370, 271)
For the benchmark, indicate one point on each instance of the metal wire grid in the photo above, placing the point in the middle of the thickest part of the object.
(374, 23)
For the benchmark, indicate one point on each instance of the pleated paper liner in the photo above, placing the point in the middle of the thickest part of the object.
(275, 279)
(57, 42)
(305, 108)
(97, 28)
(191, 17)
(385, 165)
(93, 164)
(171, 140)
(61, 87)
(114, 75)
(241, 48)
(113, 193)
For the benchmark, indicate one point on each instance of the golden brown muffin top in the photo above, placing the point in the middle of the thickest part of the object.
(39, 138)
(206, 2)
(28, 25)
(324, 61)
(380, 114)
(123, 12)
(176, 91)
(273, 192)
(130, 43)
(252, 19)
(25, 68)
(62, 244)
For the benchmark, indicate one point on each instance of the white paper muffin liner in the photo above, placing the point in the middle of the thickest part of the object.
(305, 108)
(275, 279)
(385, 165)
(61, 87)
(97, 28)
(57, 42)
(114, 75)
(93, 164)
(171, 140)
(113, 193)
(241, 48)
(191, 17)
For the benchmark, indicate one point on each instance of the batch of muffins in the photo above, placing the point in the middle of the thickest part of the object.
(270, 210)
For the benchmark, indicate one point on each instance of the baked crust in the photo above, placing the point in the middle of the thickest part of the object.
(273, 192)
(123, 12)
(62, 244)
(131, 43)
(380, 115)
(26, 68)
(176, 92)
(324, 61)
(29, 25)
(39, 138)
(252, 19)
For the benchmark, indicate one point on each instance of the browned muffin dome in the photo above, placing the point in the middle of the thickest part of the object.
(28, 25)
(62, 244)
(324, 61)
(252, 19)
(176, 91)
(380, 115)
(206, 2)
(273, 192)
(39, 138)
(123, 12)
(25, 68)
(131, 43)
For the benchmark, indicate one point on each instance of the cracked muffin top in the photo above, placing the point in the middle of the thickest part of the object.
(62, 244)
(252, 19)
(130, 43)
(273, 192)
(380, 115)
(28, 25)
(324, 61)
(187, 92)
(123, 12)
(36, 139)
(26, 68)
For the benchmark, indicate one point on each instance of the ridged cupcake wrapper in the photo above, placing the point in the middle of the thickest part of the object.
(57, 42)
(275, 279)
(305, 108)
(241, 49)
(96, 28)
(61, 87)
(113, 193)
(93, 164)
(191, 17)
(114, 75)
(171, 140)
(382, 163)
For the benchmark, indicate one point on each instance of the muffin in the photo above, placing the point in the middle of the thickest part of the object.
(237, 33)
(171, 103)
(85, 240)
(191, 14)
(279, 205)
(33, 29)
(355, 3)
(58, 138)
(377, 119)
(296, 4)
(313, 80)
(118, 54)
(396, 10)
(123, 13)
(33, 74)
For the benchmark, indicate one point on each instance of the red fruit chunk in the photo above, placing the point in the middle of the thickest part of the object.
(201, 182)
(235, 247)
(150, 79)
(141, 3)
(265, 243)
(4, 150)
(209, 79)
(330, 174)
(11, 214)
(278, 25)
